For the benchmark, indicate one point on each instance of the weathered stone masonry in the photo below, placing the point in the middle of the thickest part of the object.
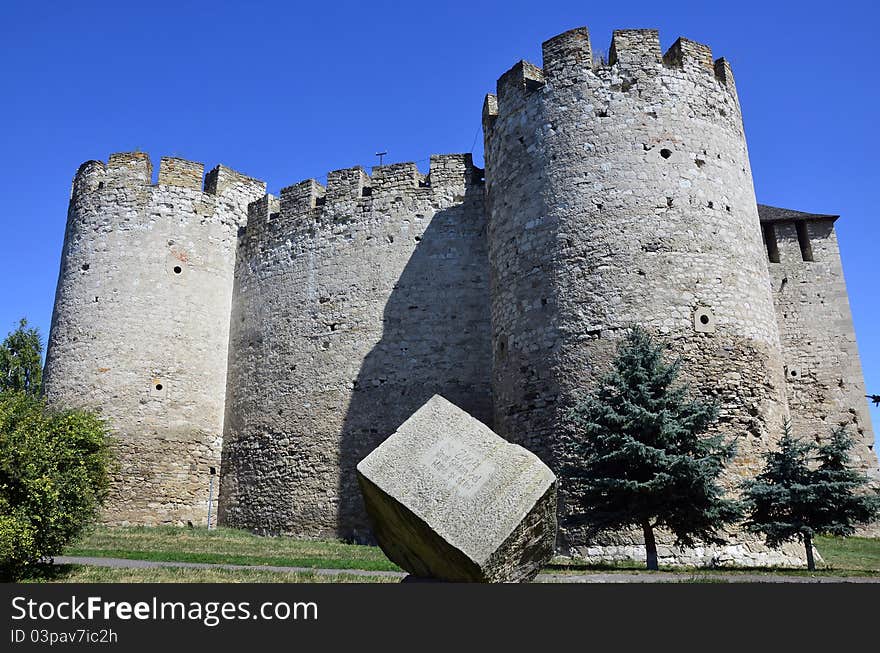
(303, 330)
(824, 381)
(354, 305)
(622, 195)
(141, 322)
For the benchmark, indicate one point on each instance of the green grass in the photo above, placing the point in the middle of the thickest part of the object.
(228, 546)
(850, 553)
(842, 557)
(90, 574)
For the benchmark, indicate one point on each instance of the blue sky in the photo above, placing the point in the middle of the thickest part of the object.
(285, 91)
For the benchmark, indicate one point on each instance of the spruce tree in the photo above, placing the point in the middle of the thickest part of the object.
(21, 366)
(844, 498)
(792, 499)
(638, 453)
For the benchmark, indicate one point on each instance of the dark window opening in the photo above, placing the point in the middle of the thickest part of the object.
(804, 241)
(366, 191)
(665, 153)
(85, 266)
(704, 319)
(770, 242)
(177, 269)
(158, 386)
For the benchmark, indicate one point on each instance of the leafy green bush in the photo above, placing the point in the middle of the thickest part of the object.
(54, 475)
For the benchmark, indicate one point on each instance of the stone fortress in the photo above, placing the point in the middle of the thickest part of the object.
(279, 340)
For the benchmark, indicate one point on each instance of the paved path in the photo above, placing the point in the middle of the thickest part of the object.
(596, 577)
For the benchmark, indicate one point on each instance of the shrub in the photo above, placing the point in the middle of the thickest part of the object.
(54, 475)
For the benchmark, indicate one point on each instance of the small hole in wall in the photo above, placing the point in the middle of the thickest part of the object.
(794, 372)
(96, 300)
(711, 205)
(502, 347)
(100, 185)
(665, 153)
(704, 319)
(159, 386)
(177, 269)
(390, 239)
(85, 266)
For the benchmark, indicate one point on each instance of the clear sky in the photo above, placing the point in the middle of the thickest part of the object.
(284, 91)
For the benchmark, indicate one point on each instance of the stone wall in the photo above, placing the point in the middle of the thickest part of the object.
(140, 326)
(353, 305)
(823, 374)
(618, 195)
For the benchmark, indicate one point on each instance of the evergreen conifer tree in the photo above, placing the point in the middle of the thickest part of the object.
(21, 365)
(794, 500)
(638, 454)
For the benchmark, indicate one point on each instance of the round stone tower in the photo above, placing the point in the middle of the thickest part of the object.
(620, 194)
(353, 305)
(141, 324)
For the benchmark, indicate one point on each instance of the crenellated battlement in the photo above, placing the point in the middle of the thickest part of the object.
(129, 169)
(523, 79)
(135, 170)
(221, 180)
(89, 177)
(347, 185)
(691, 55)
(174, 171)
(301, 200)
(635, 50)
(567, 53)
(351, 195)
(123, 189)
(633, 55)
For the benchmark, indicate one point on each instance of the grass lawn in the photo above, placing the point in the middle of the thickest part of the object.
(843, 557)
(89, 574)
(226, 545)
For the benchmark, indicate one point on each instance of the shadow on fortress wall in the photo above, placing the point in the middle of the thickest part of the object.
(435, 340)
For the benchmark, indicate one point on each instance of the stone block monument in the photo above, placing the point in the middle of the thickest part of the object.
(449, 499)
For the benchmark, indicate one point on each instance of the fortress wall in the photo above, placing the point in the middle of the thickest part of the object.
(622, 195)
(140, 326)
(822, 369)
(353, 305)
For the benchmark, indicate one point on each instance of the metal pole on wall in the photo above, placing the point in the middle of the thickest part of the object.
(211, 494)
